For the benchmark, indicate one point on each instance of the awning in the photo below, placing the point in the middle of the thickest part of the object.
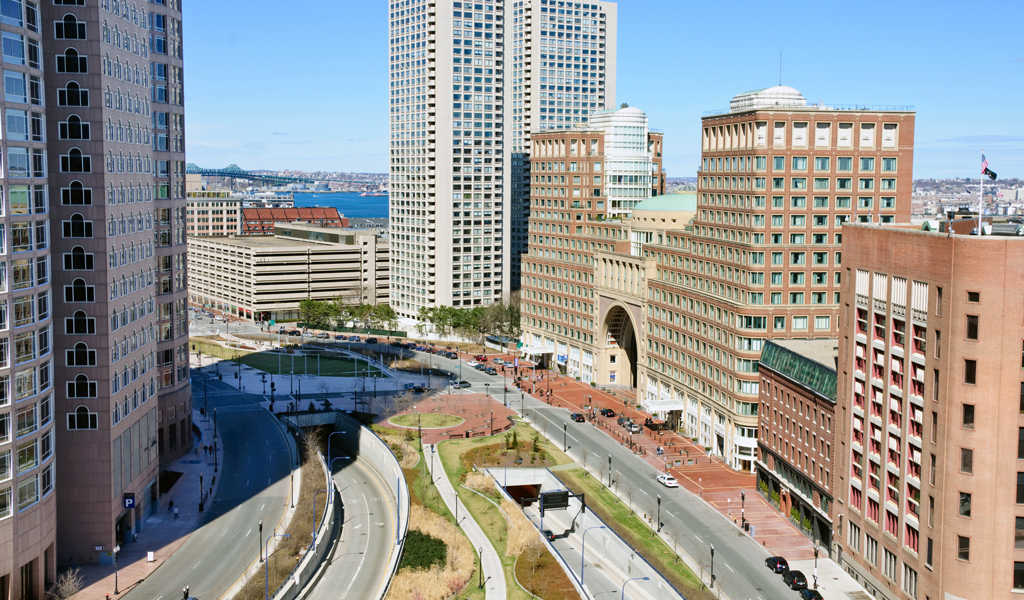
(658, 405)
(535, 350)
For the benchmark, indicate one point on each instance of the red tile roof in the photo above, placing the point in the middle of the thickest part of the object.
(261, 220)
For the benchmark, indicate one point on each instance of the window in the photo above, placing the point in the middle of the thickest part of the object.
(970, 371)
(1020, 488)
(13, 48)
(799, 163)
(963, 547)
(867, 163)
(779, 163)
(1018, 534)
(972, 327)
(821, 163)
(76, 194)
(967, 421)
(1018, 575)
(81, 387)
(74, 129)
(871, 550)
(78, 291)
(909, 581)
(965, 504)
(83, 419)
(69, 28)
(77, 227)
(81, 356)
(974, 296)
(79, 324)
(1020, 443)
(889, 567)
(78, 260)
(967, 466)
(75, 162)
(888, 164)
(72, 62)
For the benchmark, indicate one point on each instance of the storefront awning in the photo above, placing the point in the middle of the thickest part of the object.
(535, 350)
(658, 405)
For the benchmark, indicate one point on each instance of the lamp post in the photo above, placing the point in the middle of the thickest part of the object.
(565, 437)
(506, 470)
(329, 462)
(504, 394)
(481, 584)
(200, 492)
(712, 566)
(491, 422)
(261, 540)
(583, 552)
(815, 566)
(215, 440)
(117, 549)
(743, 504)
(184, 592)
(631, 579)
(266, 566)
(419, 425)
(609, 470)
(659, 513)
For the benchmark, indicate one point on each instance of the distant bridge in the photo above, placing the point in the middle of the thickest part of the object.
(236, 172)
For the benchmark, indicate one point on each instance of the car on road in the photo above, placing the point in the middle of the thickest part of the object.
(461, 384)
(795, 580)
(472, 363)
(548, 534)
(417, 389)
(397, 344)
(499, 361)
(480, 357)
(491, 371)
(667, 480)
(309, 334)
(577, 417)
(777, 564)
(371, 340)
(323, 336)
(294, 333)
(480, 367)
(339, 338)
(809, 594)
(353, 338)
(607, 412)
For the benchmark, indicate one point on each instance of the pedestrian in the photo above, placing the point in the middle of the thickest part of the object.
(175, 513)
(170, 505)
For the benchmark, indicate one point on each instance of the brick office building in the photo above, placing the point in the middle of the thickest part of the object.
(930, 463)
(797, 431)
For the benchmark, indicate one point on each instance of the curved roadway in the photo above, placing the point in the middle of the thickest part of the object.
(254, 485)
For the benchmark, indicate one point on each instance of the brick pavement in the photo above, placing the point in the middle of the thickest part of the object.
(474, 407)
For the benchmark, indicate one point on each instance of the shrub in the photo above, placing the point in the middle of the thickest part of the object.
(423, 551)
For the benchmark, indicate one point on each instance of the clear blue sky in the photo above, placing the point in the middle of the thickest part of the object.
(304, 84)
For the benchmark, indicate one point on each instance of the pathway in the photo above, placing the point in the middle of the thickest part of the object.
(494, 572)
(476, 409)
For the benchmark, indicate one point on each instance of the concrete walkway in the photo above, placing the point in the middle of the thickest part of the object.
(494, 572)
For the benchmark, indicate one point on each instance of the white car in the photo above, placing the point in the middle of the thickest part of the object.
(472, 363)
(667, 480)
(499, 361)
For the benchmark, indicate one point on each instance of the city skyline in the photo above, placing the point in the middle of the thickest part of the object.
(344, 127)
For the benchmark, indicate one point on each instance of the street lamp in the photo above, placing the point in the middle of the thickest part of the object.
(627, 581)
(506, 470)
(329, 462)
(583, 552)
(712, 566)
(261, 540)
(565, 437)
(743, 504)
(481, 552)
(609, 470)
(659, 513)
(419, 425)
(815, 566)
(266, 565)
(184, 592)
(117, 548)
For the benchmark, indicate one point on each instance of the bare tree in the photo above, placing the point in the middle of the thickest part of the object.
(586, 456)
(674, 530)
(532, 553)
(67, 585)
(630, 491)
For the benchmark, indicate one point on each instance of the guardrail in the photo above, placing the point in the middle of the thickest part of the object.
(312, 559)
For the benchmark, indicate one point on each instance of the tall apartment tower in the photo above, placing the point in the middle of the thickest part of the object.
(562, 72)
(777, 181)
(459, 185)
(930, 459)
(116, 135)
(28, 517)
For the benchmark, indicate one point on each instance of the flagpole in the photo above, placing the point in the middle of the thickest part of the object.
(981, 193)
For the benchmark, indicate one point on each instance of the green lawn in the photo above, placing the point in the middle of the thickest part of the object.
(427, 420)
(279, 363)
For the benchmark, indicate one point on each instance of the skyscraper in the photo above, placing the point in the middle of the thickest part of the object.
(28, 523)
(116, 136)
(452, 163)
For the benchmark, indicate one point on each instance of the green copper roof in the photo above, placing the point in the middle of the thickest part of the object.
(800, 368)
(681, 202)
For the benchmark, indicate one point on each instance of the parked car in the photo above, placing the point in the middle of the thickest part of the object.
(809, 594)
(339, 338)
(577, 417)
(607, 412)
(472, 363)
(323, 336)
(795, 580)
(412, 346)
(480, 357)
(461, 384)
(499, 361)
(491, 371)
(624, 421)
(635, 428)
(397, 344)
(667, 480)
(777, 564)
(371, 340)
(480, 367)
(353, 338)
(294, 333)
(418, 389)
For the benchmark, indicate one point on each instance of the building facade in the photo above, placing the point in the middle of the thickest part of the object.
(796, 441)
(28, 518)
(116, 107)
(931, 414)
(265, 278)
(562, 72)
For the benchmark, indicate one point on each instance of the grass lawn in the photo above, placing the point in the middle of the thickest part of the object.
(631, 527)
(282, 364)
(426, 420)
(455, 455)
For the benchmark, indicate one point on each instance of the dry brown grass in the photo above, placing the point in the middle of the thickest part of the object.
(480, 482)
(435, 583)
(523, 534)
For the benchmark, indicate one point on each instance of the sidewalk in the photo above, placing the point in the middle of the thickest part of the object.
(161, 533)
(476, 410)
(494, 572)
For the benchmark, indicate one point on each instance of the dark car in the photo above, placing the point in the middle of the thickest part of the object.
(624, 421)
(795, 580)
(491, 371)
(607, 412)
(548, 534)
(371, 340)
(294, 332)
(480, 367)
(397, 344)
(777, 564)
(577, 417)
(809, 594)
(339, 338)
(418, 389)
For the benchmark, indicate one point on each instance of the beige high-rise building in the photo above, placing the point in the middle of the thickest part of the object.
(456, 232)
(116, 137)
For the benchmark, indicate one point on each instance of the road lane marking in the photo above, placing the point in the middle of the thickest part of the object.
(248, 532)
(196, 565)
(698, 539)
(261, 507)
(727, 566)
(670, 514)
(221, 535)
(644, 493)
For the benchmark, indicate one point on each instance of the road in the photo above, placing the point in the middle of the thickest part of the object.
(254, 485)
(739, 560)
(359, 562)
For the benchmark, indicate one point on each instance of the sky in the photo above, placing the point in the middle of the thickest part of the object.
(304, 85)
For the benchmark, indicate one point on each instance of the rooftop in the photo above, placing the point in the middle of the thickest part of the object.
(811, 363)
(783, 97)
(679, 202)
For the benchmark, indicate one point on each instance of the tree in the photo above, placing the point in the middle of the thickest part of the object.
(585, 457)
(315, 313)
(68, 584)
(630, 491)
(383, 313)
